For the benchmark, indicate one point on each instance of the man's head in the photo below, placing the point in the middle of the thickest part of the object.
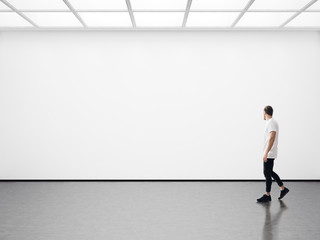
(267, 113)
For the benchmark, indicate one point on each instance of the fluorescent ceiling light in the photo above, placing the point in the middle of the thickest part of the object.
(278, 4)
(3, 6)
(39, 4)
(159, 4)
(211, 19)
(306, 19)
(218, 4)
(159, 19)
(263, 19)
(106, 19)
(54, 19)
(99, 4)
(12, 19)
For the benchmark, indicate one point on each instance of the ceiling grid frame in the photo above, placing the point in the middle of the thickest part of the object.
(298, 13)
(19, 13)
(35, 26)
(186, 15)
(75, 13)
(242, 13)
(133, 21)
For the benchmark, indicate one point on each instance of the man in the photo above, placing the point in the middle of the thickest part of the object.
(270, 153)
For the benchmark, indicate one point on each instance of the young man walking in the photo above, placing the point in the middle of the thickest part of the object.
(270, 154)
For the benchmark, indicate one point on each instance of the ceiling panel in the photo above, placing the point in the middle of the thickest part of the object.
(161, 13)
(263, 19)
(99, 4)
(218, 4)
(11, 19)
(54, 19)
(306, 19)
(278, 4)
(106, 19)
(159, 19)
(159, 4)
(211, 19)
(39, 4)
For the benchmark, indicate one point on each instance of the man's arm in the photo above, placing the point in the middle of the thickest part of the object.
(270, 144)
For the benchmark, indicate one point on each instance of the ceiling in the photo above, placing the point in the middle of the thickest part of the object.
(159, 14)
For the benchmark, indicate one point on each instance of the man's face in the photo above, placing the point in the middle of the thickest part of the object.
(264, 115)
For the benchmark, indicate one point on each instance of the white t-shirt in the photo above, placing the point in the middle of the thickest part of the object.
(271, 125)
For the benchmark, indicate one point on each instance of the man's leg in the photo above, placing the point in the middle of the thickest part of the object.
(275, 176)
(267, 169)
(278, 180)
(267, 173)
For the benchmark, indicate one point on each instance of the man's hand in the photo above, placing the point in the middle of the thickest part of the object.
(265, 156)
(270, 143)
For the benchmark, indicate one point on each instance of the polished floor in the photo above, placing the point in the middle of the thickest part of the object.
(157, 210)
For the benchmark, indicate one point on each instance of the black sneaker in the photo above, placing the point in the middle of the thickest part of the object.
(283, 193)
(264, 198)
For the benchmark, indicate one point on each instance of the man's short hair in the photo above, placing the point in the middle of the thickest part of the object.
(269, 110)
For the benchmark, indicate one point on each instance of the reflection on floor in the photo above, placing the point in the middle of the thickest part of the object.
(157, 210)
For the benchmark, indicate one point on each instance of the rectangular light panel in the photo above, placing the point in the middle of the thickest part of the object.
(159, 19)
(211, 19)
(39, 4)
(218, 4)
(12, 19)
(106, 19)
(263, 19)
(159, 4)
(99, 4)
(54, 19)
(306, 19)
(278, 4)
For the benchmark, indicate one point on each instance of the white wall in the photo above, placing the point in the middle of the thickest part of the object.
(157, 105)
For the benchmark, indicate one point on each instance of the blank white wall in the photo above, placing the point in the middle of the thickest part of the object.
(157, 105)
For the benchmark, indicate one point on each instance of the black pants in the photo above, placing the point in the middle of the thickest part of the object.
(269, 174)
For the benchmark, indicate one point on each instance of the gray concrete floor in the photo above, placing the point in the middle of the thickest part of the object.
(157, 210)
